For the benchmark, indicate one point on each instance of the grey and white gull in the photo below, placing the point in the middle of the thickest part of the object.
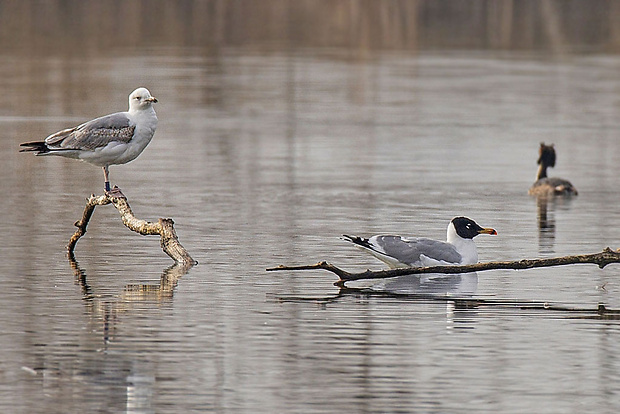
(111, 139)
(397, 251)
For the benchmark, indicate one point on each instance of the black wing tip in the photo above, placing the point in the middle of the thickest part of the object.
(349, 238)
(39, 146)
(356, 240)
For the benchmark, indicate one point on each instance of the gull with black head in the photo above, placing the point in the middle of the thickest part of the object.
(112, 139)
(397, 251)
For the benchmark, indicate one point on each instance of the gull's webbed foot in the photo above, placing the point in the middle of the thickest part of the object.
(116, 193)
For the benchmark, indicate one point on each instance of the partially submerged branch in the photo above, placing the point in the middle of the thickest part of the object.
(164, 226)
(601, 259)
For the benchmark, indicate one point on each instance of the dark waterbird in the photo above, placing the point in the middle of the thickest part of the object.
(545, 186)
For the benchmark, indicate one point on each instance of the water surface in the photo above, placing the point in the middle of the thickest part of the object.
(267, 157)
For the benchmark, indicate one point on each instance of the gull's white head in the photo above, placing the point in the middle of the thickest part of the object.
(141, 99)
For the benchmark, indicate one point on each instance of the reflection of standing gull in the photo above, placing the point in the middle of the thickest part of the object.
(397, 251)
(112, 139)
(549, 185)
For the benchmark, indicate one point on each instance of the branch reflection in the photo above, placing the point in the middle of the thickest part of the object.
(108, 308)
(133, 376)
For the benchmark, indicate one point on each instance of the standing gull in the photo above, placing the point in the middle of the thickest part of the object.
(397, 251)
(112, 139)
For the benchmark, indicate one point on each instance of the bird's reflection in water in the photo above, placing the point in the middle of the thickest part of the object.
(438, 286)
(546, 226)
(546, 208)
(463, 284)
(134, 373)
(457, 291)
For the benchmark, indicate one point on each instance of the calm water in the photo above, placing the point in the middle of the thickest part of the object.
(267, 157)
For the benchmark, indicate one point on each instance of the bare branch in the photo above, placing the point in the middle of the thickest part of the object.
(164, 226)
(92, 202)
(601, 259)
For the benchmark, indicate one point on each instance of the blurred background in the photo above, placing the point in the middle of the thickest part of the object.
(50, 27)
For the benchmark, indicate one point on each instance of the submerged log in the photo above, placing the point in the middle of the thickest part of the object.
(164, 227)
(601, 259)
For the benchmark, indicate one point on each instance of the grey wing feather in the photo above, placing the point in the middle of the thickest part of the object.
(93, 134)
(408, 251)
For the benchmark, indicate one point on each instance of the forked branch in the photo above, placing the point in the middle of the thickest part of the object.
(601, 259)
(164, 226)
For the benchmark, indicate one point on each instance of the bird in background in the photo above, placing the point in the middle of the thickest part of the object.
(111, 139)
(396, 251)
(546, 186)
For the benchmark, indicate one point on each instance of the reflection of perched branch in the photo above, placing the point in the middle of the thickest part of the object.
(598, 312)
(136, 292)
(107, 309)
(164, 227)
(602, 259)
(161, 292)
(80, 276)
